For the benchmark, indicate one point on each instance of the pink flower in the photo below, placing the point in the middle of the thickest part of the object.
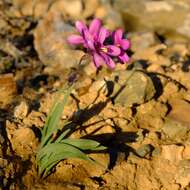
(123, 44)
(92, 39)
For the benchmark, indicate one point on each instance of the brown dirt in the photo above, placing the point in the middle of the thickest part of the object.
(147, 131)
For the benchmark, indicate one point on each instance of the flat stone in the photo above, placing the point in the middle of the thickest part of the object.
(51, 42)
(132, 88)
(173, 153)
(182, 176)
(39, 8)
(175, 130)
(180, 111)
(111, 17)
(21, 110)
(36, 8)
(169, 17)
(8, 89)
(22, 139)
(141, 40)
(143, 150)
(186, 152)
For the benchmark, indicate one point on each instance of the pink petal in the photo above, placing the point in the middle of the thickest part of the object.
(124, 57)
(98, 60)
(80, 26)
(75, 39)
(125, 44)
(103, 34)
(113, 50)
(118, 34)
(89, 40)
(109, 62)
(95, 27)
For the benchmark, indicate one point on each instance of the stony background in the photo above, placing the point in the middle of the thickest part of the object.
(146, 126)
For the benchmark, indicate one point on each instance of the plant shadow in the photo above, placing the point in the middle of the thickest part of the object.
(115, 142)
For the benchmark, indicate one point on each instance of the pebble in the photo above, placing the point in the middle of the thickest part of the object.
(139, 88)
(168, 18)
(8, 89)
(21, 110)
(173, 153)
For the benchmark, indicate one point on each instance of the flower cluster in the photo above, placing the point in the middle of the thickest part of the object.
(93, 39)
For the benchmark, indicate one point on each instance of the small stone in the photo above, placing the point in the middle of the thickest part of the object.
(180, 111)
(150, 55)
(141, 40)
(170, 89)
(168, 18)
(3, 163)
(175, 130)
(23, 141)
(186, 152)
(51, 43)
(182, 176)
(71, 8)
(156, 152)
(144, 150)
(8, 89)
(154, 6)
(109, 15)
(173, 153)
(137, 88)
(186, 95)
(34, 119)
(21, 110)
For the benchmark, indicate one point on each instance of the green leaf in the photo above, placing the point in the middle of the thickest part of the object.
(63, 134)
(51, 154)
(84, 144)
(54, 117)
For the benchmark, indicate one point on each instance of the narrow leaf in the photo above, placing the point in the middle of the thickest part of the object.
(84, 144)
(51, 154)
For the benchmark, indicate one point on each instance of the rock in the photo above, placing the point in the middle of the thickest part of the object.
(144, 150)
(71, 8)
(109, 15)
(55, 185)
(152, 56)
(132, 88)
(8, 89)
(165, 17)
(34, 119)
(162, 172)
(10, 49)
(51, 44)
(170, 89)
(153, 108)
(180, 110)
(31, 8)
(173, 153)
(68, 170)
(23, 140)
(21, 110)
(118, 178)
(3, 163)
(186, 95)
(74, 9)
(183, 175)
(175, 130)
(141, 40)
(90, 7)
(150, 115)
(186, 152)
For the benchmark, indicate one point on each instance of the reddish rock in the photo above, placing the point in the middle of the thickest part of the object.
(8, 89)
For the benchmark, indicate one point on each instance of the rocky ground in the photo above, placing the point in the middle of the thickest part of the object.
(142, 118)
